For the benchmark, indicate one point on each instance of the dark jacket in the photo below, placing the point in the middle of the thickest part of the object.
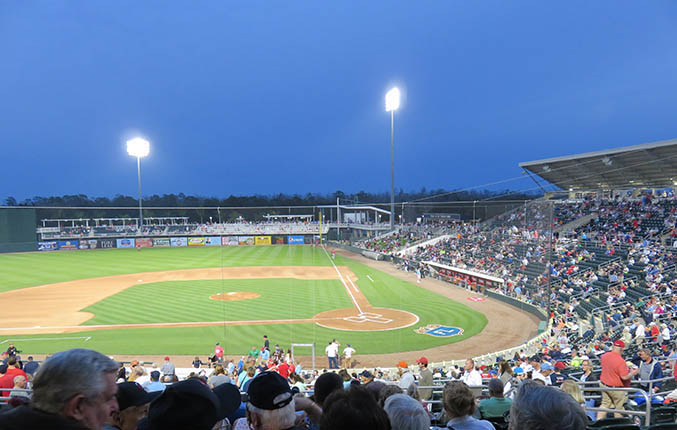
(28, 418)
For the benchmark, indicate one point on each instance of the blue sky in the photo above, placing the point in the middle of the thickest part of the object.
(267, 97)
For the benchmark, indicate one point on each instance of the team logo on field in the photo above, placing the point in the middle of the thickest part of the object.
(476, 299)
(438, 330)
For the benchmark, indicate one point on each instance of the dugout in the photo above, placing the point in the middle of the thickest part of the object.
(17, 229)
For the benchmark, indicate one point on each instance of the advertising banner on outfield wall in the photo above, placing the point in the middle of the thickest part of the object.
(161, 243)
(48, 246)
(245, 240)
(179, 241)
(295, 240)
(279, 240)
(68, 245)
(144, 242)
(106, 243)
(196, 241)
(229, 241)
(213, 241)
(124, 243)
(88, 244)
(262, 240)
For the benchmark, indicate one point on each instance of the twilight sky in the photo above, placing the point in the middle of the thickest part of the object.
(269, 96)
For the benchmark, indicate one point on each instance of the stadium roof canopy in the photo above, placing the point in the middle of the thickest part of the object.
(646, 165)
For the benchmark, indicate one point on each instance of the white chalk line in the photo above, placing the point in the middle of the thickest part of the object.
(370, 278)
(86, 338)
(343, 281)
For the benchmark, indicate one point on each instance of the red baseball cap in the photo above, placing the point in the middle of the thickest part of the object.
(619, 343)
(402, 364)
(166, 358)
(422, 360)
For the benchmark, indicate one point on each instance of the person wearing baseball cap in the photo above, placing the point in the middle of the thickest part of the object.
(133, 403)
(615, 374)
(168, 368)
(406, 378)
(425, 379)
(190, 404)
(271, 403)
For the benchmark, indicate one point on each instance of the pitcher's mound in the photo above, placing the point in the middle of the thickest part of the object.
(235, 296)
(370, 319)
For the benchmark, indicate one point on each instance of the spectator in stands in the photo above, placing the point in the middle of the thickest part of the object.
(31, 366)
(74, 389)
(19, 389)
(406, 413)
(545, 408)
(386, 392)
(589, 376)
(218, 377)
(406, 378)
(615, 374)
(471, 376)
(6, 381)
(154, 384)
(271, 403)
(190, 404)
(649, 369)
(355, 409)
(459, 405)
(326, 384)
(168, 367)
(133, 403)
(425, 379)
(373, 386)
(496, 405)
(572, 388)
(14, 367)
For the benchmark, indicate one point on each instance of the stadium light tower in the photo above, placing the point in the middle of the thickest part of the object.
(138, 148)
(392, 104)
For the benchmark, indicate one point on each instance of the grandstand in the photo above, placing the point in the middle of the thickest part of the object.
(597, 266)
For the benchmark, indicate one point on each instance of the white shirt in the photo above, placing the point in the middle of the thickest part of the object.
(348, 352)
(537, 375)
(406, 380)
(472, 378)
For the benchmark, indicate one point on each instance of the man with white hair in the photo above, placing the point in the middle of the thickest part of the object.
(406, 413)
(271, 403)
(471, 376)
(74, 390)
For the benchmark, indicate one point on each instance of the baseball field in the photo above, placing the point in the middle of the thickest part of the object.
(183, 300)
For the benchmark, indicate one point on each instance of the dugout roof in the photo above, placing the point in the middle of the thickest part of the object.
(646, 165)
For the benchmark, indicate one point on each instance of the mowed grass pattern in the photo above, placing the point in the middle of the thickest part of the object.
(37, 268)
(177, 301)
(188, 301)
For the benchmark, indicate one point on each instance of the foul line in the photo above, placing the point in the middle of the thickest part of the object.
(86, 338)
(370, 278)
(342, 280)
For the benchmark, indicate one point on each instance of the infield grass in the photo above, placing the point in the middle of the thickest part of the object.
(181, 301)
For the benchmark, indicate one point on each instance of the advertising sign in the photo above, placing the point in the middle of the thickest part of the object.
(124, 243)
(278, 240)
(91, 243)
(262, 240)
(106, 243)
(229, 240)
(179, 241)
(213, 241)
(161, 243)
(68, 245)
(246, 240)
(196, 241)
(144, 242)
(295, 240)
(48, 246)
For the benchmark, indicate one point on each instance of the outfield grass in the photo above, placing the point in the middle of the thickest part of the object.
(180, 301)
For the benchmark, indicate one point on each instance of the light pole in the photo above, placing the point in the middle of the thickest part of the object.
(138, 148)
(392, 104)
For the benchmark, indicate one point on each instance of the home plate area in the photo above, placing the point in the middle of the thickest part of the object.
(369, 319)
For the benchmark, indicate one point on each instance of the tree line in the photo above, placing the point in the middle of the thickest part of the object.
(470, 204)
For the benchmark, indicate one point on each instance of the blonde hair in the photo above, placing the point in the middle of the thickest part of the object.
(569, 386)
